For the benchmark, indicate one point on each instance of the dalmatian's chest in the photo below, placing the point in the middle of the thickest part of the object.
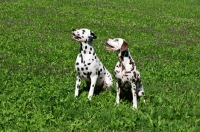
(87, 66)
(84, 65)
(123, 75)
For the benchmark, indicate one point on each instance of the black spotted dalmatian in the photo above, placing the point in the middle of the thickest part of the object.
(88, 65)
(125, 70)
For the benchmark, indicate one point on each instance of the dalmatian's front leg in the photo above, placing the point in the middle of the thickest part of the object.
(118, 91)
(134, 94)
(92, 85)
(78, 83)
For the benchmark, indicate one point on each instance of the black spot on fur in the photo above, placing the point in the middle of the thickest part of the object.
(77, 69)
(89, 74)
(88, 63)
(89, 52)
(125, 53)
(77, 63)
(86, 68)
(82, 68)
(84, 52)
(81, 58)
(85, 47)
(91, 49)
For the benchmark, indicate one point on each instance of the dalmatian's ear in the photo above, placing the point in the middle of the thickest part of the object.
(93, 36)
(124, 46)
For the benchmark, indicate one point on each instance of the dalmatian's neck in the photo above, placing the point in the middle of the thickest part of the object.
(87, 49)
(126, 61)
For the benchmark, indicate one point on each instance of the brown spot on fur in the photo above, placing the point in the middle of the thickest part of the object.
(123, 67)
(121, 58)
(124, 46)
(131, 62)
(120, 63)
(117, 71)
(134, 74)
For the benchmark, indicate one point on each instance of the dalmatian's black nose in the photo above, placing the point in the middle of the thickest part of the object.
(73, 29)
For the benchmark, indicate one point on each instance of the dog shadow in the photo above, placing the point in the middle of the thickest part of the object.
(126, 94)
(97, 90)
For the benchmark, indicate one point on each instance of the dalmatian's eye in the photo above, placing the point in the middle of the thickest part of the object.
(116, 40)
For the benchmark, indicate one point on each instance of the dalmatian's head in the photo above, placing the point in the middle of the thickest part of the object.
(116, 44)
(83, 35)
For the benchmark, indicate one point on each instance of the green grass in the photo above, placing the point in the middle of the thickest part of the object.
(37, 56)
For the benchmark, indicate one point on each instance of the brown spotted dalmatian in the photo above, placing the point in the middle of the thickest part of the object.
(125, 70)
(88, 65)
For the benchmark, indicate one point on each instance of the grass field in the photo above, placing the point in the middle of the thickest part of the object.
(37, 56)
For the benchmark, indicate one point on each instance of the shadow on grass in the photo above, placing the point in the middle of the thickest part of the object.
(97, 90)
(126, 95)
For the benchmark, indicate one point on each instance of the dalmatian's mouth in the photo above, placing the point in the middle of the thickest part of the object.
(109, 47)
(76, 37)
